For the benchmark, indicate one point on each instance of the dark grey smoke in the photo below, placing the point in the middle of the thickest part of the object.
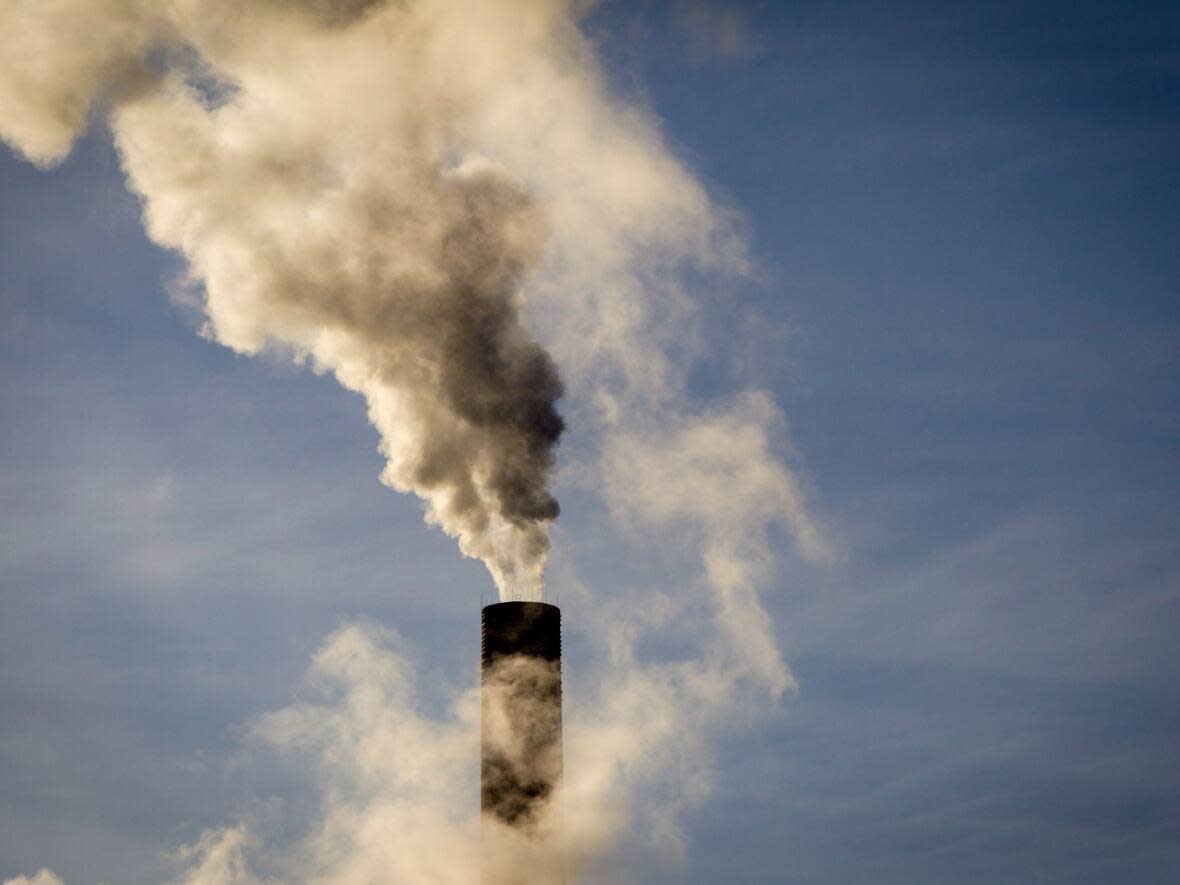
(302, 155)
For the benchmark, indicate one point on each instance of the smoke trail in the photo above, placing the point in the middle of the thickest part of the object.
(300, 156)
(378, 187)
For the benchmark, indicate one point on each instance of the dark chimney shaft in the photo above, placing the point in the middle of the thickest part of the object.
(520, 688)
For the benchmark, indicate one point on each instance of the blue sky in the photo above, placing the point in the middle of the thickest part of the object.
(966, 219)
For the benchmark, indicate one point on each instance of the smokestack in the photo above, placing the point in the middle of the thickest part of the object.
(520, 746)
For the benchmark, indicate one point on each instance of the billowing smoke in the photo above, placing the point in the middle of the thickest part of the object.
(303, 158)
(410, 194)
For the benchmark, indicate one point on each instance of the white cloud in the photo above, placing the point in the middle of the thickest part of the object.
(43, 877)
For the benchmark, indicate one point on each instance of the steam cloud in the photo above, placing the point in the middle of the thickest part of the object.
(410, 195)
(301, 156)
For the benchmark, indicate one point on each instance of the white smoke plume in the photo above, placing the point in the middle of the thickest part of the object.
(411, 194)
(304, 159)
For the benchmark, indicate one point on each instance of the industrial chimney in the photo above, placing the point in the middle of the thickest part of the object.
(520, 746)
